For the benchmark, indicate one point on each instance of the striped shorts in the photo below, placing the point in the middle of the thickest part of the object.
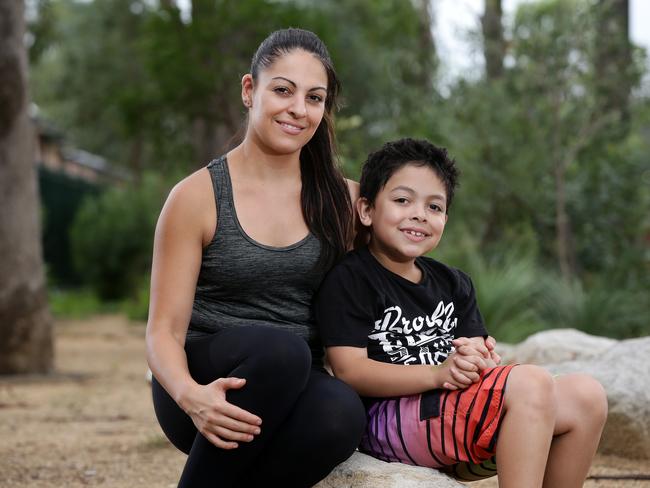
(439, 428)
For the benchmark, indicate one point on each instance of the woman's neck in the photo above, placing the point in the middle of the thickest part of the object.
(253, 162)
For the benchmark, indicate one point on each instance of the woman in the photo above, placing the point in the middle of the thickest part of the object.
(240, 248)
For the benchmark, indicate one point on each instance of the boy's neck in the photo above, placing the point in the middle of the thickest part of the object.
(407, 269)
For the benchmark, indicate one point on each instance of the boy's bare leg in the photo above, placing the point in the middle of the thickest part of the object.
(581, 414)
(527, 428)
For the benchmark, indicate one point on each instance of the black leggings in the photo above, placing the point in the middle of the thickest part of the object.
(310, 421)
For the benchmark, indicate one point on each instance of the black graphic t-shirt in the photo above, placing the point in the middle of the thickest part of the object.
(362, 304)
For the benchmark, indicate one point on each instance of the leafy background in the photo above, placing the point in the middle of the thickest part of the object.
(553, 139)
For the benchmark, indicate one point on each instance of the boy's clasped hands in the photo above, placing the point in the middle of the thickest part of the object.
(464, 366)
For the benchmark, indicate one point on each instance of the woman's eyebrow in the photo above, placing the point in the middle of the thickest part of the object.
(294, 84)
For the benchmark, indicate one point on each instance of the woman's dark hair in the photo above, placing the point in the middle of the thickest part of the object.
(325, 197)
(394, 155)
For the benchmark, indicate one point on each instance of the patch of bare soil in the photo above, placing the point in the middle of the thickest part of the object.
(92, 424)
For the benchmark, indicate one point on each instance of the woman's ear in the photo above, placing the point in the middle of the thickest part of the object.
(364, 209)
(247, 90)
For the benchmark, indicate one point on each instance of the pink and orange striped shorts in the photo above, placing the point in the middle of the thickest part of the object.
(439, 428)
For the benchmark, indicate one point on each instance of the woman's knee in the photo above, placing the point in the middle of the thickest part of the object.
(283, 352)
(175, 423)
(533, 388)
(266, 352)
(340, 419)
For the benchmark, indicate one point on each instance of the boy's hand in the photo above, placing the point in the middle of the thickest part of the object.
(458, 372)
(491, 343)
(477, 346)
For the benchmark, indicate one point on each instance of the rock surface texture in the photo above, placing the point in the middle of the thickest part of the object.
(622, 367)
(362, 471)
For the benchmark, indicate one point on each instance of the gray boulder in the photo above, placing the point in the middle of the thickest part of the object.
(622, 367)
(624, 372)
(363, 471)
(555, 346)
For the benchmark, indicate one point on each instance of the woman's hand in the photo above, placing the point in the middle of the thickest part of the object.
(222, 423)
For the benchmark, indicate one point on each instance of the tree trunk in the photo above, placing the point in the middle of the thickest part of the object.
(615, 74)
(493, 43)
(25, 322)
(427, 56)
(564, 242)
(563, 225)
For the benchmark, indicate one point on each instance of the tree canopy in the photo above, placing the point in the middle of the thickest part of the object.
(552, 141)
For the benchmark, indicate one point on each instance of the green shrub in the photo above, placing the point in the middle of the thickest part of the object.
(75, 304)
(136, 307)
(508, 291)
(603, 308)
(112, 237)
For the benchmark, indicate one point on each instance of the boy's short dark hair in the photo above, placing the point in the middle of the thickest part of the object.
(392, 156)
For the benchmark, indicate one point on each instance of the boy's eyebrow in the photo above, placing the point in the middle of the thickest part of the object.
(403, 188)
(407, 189)
(294, 84)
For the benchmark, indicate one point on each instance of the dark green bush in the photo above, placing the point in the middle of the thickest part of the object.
(112, 237)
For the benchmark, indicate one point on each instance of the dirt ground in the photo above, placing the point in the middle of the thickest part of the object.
(92, 424)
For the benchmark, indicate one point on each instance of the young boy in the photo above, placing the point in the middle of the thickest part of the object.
(405, 332)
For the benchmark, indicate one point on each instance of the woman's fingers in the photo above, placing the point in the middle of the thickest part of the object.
(220, 443)
(239, 414)
(237, 426)
(231, 435)
(233, 411)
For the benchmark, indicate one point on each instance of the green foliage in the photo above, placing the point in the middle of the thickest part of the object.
(76, 304)
(150, 88)
(136, 307)
(604, 308)
(61, 197)
(112, 237)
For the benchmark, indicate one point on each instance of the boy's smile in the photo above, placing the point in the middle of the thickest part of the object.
(407, 218)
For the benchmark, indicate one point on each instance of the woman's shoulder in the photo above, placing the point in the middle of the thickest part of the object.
(191, 203)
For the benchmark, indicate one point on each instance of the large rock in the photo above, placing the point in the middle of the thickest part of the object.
(622, 367)
(555, 346)
(624, 372)
(362, 471)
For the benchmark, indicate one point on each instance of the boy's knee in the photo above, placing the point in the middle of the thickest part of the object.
(533, 387)
(589, 397)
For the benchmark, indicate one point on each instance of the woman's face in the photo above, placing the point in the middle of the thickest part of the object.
(286, 102)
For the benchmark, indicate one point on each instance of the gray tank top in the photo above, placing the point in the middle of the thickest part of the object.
(242, 282)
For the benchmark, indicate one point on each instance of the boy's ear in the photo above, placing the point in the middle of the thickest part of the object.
(364, 209)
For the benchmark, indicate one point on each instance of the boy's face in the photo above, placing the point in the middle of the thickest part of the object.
(408, 215)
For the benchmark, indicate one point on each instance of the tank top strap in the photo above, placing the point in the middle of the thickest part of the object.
(222, 190)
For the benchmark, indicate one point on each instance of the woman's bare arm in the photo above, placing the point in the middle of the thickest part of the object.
(185, 225)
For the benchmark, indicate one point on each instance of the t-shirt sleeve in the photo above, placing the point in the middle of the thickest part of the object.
(470, 321)
(343, 309)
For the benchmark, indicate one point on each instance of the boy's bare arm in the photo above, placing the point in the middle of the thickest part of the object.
(376, 379)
